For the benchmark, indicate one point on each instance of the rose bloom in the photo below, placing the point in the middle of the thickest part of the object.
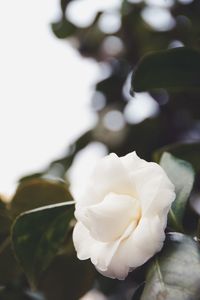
(123, 214)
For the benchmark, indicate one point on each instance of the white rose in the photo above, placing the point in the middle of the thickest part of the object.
(123, 214)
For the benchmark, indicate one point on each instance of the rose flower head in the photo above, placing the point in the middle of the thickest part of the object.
(122, 215)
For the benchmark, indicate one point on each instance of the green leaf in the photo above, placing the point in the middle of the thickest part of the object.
(189, 152)
(138, 292)
(37, 236)
(67, 277)
(182, 176)
(8, 265)
(36, 193)
(177, 68)
(63, 4)
(174, 274)
(5, 221)
(11, 293)
(63, 28)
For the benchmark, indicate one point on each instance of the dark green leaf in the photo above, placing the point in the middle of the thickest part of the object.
(171, 69)
(189, 152)
(138, 292)
(63, 4)
(5, 221)
(37, 236)
(174, 274)
(8, 265)
(11, 293)
(37, 193)
(107, 285)
(182, 176)
(67, 277)
(63, 28)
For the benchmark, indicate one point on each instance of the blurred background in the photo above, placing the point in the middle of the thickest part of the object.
(41, 106)
(65, 79)
(48, 85)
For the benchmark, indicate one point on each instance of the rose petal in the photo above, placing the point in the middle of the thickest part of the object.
(115, 267)
(82, 240)
(86, 247)
(132, 162)
(155, 190)
(103, 253)
(109, 176)
(89, 197)
(108, 220)
(144, 242)
(116, 271)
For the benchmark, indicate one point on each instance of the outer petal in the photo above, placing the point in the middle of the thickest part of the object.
(154, 189)
(132, 162)
(142, 244)
(86, 247)
(104, 253)
(116, 270)
(109, 176)
(108, 220)
(83, 242)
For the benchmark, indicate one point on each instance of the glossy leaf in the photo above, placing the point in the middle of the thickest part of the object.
(37, 236)
(182, 176)
(177, 68)
(10, 269)
(67, 277)
(36, 193)
(189, 152)
(175, 272)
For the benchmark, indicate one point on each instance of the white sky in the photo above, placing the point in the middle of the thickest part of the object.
(43, 82)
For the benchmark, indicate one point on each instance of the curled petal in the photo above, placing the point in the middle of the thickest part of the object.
(144, 242)
(110, 176)
(108, 220)
(132, 162)
(134, 251)
(101, 254)
(155, 190)
(104, 253)
(83, 242)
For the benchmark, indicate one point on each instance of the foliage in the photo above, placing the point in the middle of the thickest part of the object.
(167, 279)
(37, 235)
(177, 69)
(181, 174)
